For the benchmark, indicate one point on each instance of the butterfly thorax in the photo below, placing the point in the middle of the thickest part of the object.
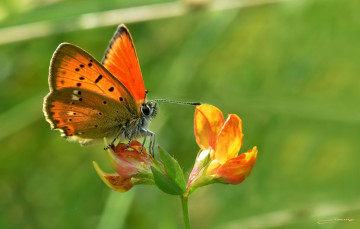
(136, 128)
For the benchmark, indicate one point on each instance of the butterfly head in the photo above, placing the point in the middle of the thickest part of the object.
(149, 110)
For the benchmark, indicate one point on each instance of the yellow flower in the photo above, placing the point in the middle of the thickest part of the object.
(220, 141)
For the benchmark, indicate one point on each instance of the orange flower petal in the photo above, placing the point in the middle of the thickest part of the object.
(213, 167)
(134, 145)
(235, 170)
(128, 162)
(230, 139)
(207, 125)
(114, 181)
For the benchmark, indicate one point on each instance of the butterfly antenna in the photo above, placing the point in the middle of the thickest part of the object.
(177, 102)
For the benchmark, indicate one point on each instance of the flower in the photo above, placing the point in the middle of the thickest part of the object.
(132, 167)
(220, 141)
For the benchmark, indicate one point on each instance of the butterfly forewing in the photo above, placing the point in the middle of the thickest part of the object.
(121, 60)
(73, 67)
(86, 101)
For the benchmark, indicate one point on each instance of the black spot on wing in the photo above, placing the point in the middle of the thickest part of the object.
(98, 79)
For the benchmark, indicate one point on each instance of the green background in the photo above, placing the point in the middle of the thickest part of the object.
(290, 70)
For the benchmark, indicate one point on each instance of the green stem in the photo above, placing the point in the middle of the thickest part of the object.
(184, 204)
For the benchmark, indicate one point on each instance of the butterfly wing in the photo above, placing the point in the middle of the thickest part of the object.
(86, 102)
(121, 60)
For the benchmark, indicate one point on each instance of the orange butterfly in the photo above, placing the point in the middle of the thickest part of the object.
(89, 100)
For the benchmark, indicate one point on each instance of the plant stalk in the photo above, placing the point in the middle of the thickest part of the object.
(184, 204)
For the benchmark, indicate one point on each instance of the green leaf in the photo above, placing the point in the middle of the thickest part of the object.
(165, 183)
(173, 169)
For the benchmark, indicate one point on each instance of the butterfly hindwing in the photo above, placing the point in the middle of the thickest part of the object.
(121, 60)
(87, 116)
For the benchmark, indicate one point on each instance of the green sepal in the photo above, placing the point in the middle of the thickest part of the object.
(173, 169)
(165, 184)
(145, 181)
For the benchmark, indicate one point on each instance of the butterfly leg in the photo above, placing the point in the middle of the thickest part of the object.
(116, 137)
(153, 142)
(128, 145)
(146, 133)
(142, 146)
(150, 148)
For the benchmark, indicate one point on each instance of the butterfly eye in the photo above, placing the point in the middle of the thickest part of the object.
(145, 110)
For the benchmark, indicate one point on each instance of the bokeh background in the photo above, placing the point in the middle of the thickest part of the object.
(289, 69)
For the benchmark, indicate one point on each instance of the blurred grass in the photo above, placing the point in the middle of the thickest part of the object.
(289, 70)
(115, 210)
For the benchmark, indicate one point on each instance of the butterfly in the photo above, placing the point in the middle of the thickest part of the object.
(89, 101)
